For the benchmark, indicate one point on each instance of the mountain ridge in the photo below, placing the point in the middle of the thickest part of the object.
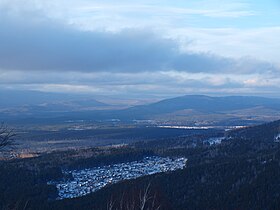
(184, 108)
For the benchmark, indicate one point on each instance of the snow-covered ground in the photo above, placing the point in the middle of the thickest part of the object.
(277, 138)
(186, 127)
(89, 180)
(214, 140)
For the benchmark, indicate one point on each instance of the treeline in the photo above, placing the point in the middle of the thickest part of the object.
(23, 183)
(21, 188)
(116, 155)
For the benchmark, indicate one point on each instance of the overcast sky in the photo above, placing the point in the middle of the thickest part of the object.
(141, 48)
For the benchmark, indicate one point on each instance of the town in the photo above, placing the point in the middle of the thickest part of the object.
(89, 180)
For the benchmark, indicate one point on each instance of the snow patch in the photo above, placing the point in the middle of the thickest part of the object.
(213, 141)
(277, 138)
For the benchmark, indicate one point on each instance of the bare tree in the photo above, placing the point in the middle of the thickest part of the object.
(142, 200)
(110, 204)
(6, 136)
(144, 197)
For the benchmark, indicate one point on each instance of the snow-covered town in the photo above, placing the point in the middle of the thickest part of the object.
(89, 180)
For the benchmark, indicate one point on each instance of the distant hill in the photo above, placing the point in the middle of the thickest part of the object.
(206, 104)
(34, 101)
(189, 109)
(200, 107)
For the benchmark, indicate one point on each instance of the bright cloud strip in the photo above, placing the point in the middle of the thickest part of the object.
(145, 83)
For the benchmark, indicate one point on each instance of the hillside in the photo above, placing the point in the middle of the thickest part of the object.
(208, 104)
(240, 173)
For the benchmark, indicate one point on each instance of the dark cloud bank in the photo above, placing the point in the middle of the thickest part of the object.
(47, 45)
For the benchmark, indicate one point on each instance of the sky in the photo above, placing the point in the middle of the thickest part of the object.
(145, 49)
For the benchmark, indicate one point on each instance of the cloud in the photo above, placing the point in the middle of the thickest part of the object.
(49, 45)
(145, 83)
(42, 51)
(260, 43)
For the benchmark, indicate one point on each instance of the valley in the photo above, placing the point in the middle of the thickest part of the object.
(139, 105)
(87, 163)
